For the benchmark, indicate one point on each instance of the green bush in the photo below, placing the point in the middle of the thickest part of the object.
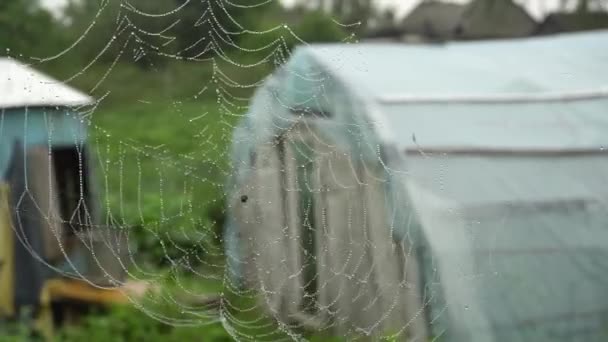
(124, 323)
(317, 27)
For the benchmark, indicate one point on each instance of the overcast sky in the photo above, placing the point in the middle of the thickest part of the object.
(536, 7)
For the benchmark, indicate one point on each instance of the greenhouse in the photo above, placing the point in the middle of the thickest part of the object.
(457, 191)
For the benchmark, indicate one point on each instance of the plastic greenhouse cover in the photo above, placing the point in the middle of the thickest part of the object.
(518, 245)
(514, 247)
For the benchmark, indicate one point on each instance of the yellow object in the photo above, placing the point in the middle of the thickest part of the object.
(77, 290)
(54, 289)
(44, 321)
(7, 256)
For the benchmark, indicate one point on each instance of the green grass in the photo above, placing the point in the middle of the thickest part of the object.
(160, 173)
(154, 159)
(160, 149)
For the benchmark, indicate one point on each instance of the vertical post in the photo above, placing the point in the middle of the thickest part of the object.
(7, 260)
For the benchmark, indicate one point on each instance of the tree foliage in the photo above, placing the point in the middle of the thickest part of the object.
(346, 11)
(151, 30)
(150, 33)
(26, 29)
(319, 27)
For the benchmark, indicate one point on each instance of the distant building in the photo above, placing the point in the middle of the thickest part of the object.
(480, 19)
(573, 22)
(434, 20)
(494, 19)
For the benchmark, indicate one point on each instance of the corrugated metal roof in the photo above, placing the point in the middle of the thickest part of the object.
(22, 86)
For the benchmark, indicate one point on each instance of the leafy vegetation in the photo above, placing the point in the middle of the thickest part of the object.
(22, 25)
(123, 323)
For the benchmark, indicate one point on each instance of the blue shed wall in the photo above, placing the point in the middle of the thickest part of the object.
(38, 126)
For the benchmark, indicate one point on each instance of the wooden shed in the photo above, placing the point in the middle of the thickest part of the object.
(48, 192)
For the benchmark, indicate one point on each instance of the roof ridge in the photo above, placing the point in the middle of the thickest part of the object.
(501, 98)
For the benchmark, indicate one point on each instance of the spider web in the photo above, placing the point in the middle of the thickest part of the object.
(278, 232)
(167, 189)
(277, 236)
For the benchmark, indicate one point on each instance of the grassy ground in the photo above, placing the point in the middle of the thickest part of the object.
(162, 166)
